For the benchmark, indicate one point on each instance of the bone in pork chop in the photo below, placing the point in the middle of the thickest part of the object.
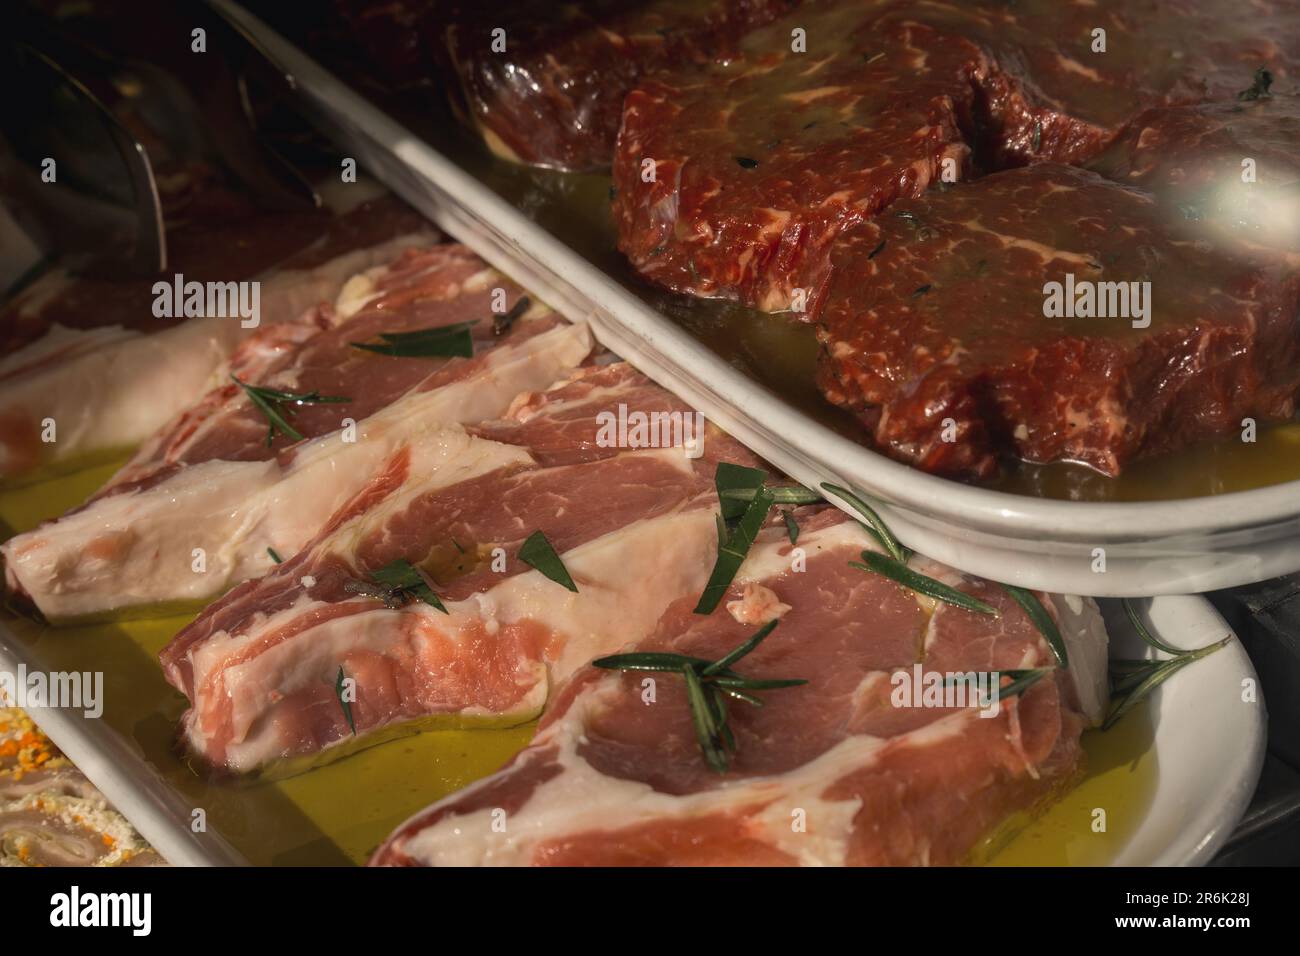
(210, 484)
(423, 288)
(97, 362)
(611, 779)
(936, 329)
(634, 528)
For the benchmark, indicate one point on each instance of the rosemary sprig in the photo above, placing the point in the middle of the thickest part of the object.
(445, 341)
(397, 584)
(899, 572)
(501, 323)
(269, 401)
(538, 553)
(874, 524)
(1132, 681)
(791, 526)
(1033, 607)
(783, 495)
(347, 707)
(708, 686)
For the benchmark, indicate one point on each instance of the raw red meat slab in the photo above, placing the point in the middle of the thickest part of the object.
(934, 331)
(613, 780)
(553, 97)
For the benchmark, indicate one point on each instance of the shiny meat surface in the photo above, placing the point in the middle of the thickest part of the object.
(840, 771)
(936, 329)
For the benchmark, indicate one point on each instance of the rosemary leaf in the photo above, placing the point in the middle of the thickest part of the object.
(1042, 620)
(1137, 693)
(538, 553)
(1142, 631)
(739, 695)
(791, 527)
(783, 495)
(1125, 678)
(347, 707)
(874, 524)
(751, 683)
(1138, 683)
(736, 486)
(895, 570)
(732, 554)
(275, 556)
(445, 341)
(724, 663)
(1021, 681)
(708, 685)
(706, 729)
(268, 400)
(646, 661)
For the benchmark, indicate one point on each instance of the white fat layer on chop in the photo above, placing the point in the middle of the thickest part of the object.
(625, 579)
(113, 387)
(581, 800)
(137, 548)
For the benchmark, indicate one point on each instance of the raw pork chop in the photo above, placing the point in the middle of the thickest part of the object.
(203, 506)
(829, 773)
(421, 289)
(935, 332)
(108, 373)
(634, 528)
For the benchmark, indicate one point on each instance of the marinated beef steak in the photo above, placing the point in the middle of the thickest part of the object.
(553, 95)
(734, 181)
(1231, 170)
(1095, 65)
(938, 328)
(843, 771)
(760, 162)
